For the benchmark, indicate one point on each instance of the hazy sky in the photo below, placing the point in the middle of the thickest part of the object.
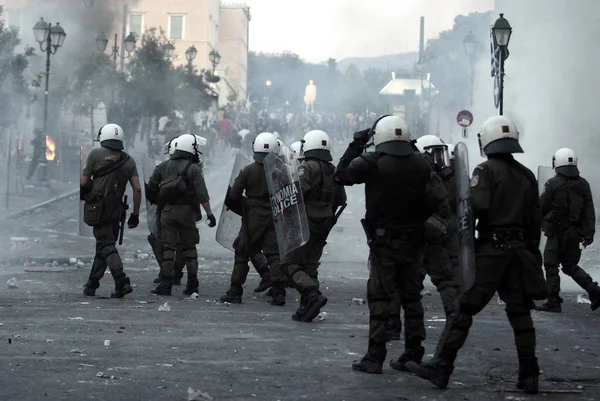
(319, 29)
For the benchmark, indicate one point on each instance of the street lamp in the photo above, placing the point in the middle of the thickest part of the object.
(129, 44)
(50, 38)
(501, 31)
(190, 55)
(168, 50)
(215, 59)
(470, 45)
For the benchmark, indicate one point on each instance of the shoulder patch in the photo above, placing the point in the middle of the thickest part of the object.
(475, 180)
(480, 167)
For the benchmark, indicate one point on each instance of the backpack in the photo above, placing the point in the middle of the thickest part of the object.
(174, 188)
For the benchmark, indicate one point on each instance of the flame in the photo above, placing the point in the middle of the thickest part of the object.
(50, 148)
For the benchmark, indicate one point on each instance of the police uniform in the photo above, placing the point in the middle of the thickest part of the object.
(569, 219)
(401, 193)
(178, 218)
(251, 185)
(157, 249)
(322, 196)
(504, 200)
(107, 232)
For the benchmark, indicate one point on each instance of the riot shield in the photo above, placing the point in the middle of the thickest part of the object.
(289, 214)
(229, 222)
(466, 230)
(148, 166)
(84, 229)
(544, 174)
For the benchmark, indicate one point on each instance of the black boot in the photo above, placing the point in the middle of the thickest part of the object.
(157, 280)
(314, 302)
(278, 294)
(438, 373)
(122, 288)
(265, 284)
(373, 360)
(192, 285)
(410, 354)
(301, 311)
(394, 327)
(595, 299)
(552, 304)
(164, 288)
(529, 372)
(233, 295)
(90, 288)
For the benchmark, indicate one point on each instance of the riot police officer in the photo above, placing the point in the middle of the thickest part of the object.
(296, 149)
(441, 254)
(568, 220)
(322, 197)
(250, 194)
(103, 182)
(177, 187)
(504, 200)
(402, 192)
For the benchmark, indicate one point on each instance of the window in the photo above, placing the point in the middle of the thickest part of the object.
(176, 26)
(136, 25)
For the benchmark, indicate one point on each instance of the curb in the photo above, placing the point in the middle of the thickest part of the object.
(41, 205)
(43, 260)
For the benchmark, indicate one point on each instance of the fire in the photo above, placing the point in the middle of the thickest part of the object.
(50, 148)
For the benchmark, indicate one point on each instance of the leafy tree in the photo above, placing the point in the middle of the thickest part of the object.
(14, 88)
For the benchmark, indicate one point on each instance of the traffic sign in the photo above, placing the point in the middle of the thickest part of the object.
(464, 118)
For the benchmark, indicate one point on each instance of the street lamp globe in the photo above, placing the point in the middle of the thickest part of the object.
(268, 82)
(101, 42)
(40, 31)
(191, 53)
(212, 56)
(130, 43)
(57, 35)
(502, 31)
(470, 43)
(217, 58)
(168, 50)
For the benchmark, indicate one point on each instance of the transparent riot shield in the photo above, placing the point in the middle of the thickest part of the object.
(544, 174)
(84, 229)
(148, 166)
(229, 222)
(466, 231)
(289, 214)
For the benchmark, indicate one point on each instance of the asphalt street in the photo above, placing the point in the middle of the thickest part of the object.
(54, 339)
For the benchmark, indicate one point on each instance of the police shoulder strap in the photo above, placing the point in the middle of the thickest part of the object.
(113, 167)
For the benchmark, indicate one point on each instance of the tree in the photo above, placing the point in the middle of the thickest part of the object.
(14, 88)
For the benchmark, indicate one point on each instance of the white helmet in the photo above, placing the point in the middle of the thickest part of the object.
(427, 142)
(564, 157)
(264, 144)
(170, 146)
(499, 135)
(434, 145)
(186, 143)
(296, 149)
(280, 146)
(111, 136)
(317, 144)
(391, 136)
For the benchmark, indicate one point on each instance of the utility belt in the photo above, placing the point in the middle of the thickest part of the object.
(501, 238)
(395, 238)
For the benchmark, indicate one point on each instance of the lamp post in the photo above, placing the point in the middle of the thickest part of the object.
(50, 38)
(215, 59)
(129, 44)
(168, 50)
(501, 32)
(190, 55)
(470, 45)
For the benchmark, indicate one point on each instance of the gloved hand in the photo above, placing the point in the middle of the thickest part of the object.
(211, 220)
(134, 221)
(361, 138)
(587, 241)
